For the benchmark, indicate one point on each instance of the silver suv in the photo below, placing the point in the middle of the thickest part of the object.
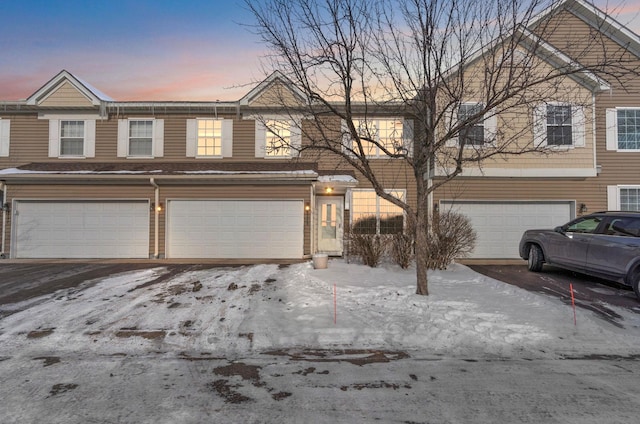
(602, 244)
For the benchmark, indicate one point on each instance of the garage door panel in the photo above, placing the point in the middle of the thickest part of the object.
(499, 225)
(77, 229)
(235, 229)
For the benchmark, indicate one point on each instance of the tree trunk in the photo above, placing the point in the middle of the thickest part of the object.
(422, 236)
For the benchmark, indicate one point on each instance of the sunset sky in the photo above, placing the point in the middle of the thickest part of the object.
(146, 49)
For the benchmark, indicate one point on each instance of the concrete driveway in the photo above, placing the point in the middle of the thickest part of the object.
(590, 293)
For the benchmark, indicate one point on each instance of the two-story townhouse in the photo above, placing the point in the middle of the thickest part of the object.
(595, 167)
(85, 176)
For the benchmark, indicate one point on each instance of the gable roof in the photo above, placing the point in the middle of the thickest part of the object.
(93, 95)
(596, 18)
(270, 82)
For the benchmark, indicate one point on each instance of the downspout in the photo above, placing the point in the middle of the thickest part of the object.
(3, 189)
(156, 213)
(310, 213)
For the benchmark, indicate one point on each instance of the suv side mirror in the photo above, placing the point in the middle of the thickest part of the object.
(559, 230)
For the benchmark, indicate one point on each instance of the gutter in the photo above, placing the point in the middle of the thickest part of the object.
(156, 211)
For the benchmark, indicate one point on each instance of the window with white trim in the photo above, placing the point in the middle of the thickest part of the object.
(623, 198)
(141, 137)
(471, 135)
(209, 139)
(559, 125)
(623, 129)
(71, 138)
(278, 138)
(371, 214)
(378, 135)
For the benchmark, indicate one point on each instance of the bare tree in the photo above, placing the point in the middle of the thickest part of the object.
(427, 60)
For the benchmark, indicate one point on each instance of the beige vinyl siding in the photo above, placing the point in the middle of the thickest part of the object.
(589, 191)
(66, 95)
(29, 140)
(244, 140)
(78, 192)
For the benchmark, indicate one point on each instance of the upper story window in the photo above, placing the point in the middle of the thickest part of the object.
(371, 214)
(472, 135)
(209, 138)
(71, 138)
(478, 130)
(623, 129)
(559, 125)
(277, 136)
(141, 138)
(378, 135)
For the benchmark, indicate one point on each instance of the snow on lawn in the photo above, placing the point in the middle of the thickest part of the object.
(236, 311)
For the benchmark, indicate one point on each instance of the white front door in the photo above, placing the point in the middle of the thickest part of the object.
(330, 216)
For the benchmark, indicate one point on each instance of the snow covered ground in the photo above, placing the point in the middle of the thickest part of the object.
(125, 350)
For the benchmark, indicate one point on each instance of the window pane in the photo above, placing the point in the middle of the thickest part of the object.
(472, 134)
(140, 138)
(71, 138)
(559, 130)
(278, 138)
(71, 147)
(209, 137)
(364, 212)
(630, 199)
(385, 132)
(629, 129)
(371, 214)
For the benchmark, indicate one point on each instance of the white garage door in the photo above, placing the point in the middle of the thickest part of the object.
(268, 229)
(83, 229)
(499, 225)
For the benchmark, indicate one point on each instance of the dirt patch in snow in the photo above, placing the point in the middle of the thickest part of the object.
(353, 356)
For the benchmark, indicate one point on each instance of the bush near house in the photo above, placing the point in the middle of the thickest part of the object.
(452, 236)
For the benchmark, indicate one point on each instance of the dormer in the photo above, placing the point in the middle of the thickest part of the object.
(66, 90)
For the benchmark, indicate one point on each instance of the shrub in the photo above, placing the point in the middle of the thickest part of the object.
(369, 247)
(451, 236)
(402, 247)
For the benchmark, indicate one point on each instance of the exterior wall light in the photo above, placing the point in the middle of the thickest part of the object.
(307, 207)
(5, 207)
(583, 208)
(328, 190)
(157, 208)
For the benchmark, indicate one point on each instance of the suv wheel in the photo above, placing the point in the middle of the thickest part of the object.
(536, 258)
(636, 285)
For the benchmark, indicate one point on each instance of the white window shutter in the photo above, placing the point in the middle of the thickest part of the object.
(123, 138)
(54, 138)
(540, 125)
(227, 138)
(450, 120)
(408, 136)
(5, 132)
(578, 125)
(90, 138)
(192, 137)
(295, 132)
(261, 139)
(613, 198)
(158, 138)
(612, 129)
(491, 127)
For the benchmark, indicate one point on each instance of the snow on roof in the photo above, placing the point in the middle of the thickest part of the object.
(337, 179)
